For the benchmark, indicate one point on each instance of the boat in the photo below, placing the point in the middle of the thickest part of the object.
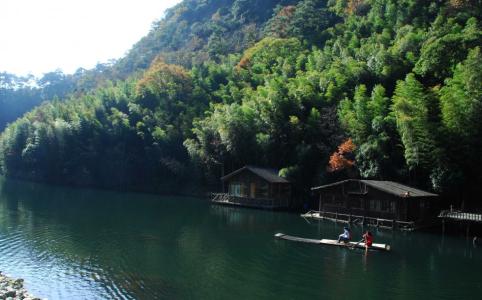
(360, 245)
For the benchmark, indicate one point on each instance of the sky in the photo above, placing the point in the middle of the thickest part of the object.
(39, 36)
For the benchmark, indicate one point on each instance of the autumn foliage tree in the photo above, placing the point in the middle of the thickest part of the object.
(342, 158)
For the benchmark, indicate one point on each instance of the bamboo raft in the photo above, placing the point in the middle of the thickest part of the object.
(382, 247)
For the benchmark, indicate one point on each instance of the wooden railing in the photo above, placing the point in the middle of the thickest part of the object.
(359, 212)
(460, 215)
(224, 198)
(360, 219)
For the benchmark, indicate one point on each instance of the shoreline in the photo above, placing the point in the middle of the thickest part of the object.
(13, 289)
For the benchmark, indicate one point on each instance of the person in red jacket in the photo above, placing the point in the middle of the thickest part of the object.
(368, 239)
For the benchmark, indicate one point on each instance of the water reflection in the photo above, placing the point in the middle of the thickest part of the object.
(88, 244)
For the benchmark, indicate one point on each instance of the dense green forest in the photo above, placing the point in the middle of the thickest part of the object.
(320, 89)
(191, 32)
(20, 94)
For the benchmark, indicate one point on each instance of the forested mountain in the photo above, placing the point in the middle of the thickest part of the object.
(320, 89)
(191, 32)
(195, 31)
(19, 94)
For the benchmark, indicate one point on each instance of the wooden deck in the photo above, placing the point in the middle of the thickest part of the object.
(262, 203)
(460, 218)
(455, 215)
(362, 220)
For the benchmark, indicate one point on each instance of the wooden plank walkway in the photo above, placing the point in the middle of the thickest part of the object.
(455, 215)
(262, 203)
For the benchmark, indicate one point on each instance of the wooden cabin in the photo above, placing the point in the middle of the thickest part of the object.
(255, 187)
(380, 203)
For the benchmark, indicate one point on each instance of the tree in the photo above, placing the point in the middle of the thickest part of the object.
(414, 107)
(461, 97)
(447, 45)
(370, 124)
(343, 158)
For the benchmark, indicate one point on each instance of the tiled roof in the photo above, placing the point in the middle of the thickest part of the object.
(391, 187)
(270, 175)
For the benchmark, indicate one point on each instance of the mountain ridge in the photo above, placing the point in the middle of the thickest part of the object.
(323, 90)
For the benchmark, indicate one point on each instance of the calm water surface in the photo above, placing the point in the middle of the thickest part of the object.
(88, 244)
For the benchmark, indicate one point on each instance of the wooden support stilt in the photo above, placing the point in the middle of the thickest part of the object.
(364, 220)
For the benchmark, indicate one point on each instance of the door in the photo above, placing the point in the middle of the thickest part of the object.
(252, 190)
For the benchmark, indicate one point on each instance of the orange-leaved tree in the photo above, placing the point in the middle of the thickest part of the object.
(342, 158)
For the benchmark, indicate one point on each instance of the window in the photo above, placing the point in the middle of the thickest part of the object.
(393, 207)
(235, 189)
(333, 200)
(252, 190)
(375, 205)
(262, 190)
(383, 206)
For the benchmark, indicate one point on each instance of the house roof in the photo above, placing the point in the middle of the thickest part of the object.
(270, 175)
(390, 187)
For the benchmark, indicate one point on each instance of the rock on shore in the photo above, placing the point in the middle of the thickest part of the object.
(12, 289)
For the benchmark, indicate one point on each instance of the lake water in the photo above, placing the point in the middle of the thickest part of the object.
(89, 244)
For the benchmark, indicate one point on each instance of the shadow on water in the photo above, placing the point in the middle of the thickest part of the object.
(90, 244)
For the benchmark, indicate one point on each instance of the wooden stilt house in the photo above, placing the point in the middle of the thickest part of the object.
(380, 203)
(256, 187)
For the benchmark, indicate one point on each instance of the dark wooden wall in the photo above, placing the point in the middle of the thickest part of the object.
(357, 199)
(263, 188)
